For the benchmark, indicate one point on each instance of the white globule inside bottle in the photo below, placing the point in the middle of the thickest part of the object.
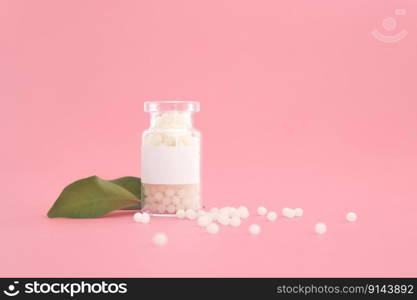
(170, 164)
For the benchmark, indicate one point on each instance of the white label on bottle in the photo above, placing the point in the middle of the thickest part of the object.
(170, 165)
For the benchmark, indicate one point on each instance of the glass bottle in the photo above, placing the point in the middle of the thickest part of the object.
(171, 160)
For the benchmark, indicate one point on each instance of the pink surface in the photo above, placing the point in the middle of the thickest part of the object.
(302, 106)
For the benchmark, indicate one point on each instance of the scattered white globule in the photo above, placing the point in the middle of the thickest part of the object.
(243, 212)
(224, 211)
(262, 211)
(298, 212)
(213, 216)
(320, 228)
(235, 221)
(143, 218)
(180, 213)
(254, 229)
(351, 216)
(200, 213)
(137, 217)
(223, 219)
(146, 218)
(271, 216)
(227, 215)
(212, 228)
(191, 214)
(160, 239)
(214, 210)
(233, 212)
(288, 212)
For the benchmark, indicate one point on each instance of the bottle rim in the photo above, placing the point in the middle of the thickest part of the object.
(172, 105)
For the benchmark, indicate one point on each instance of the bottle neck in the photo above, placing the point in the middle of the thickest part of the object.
(171, 120)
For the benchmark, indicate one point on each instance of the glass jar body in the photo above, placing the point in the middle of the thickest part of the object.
(171, 163)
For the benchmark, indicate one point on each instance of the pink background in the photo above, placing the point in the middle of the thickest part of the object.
(301, 107)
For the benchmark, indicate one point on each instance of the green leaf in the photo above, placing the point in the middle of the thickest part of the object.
(130, 183)
(93, 197)
(133, 185)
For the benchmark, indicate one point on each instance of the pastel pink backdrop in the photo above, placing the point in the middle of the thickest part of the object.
(301, 107)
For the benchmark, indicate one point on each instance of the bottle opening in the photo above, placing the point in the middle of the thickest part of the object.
(164, 106)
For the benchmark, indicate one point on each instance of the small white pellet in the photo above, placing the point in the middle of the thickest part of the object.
(320, 228)
(171, 208)
(150, 200)
(233, 212)
(180, 213)
(187, 201)
(262, 211)
(201, 213)
(151, 207)
(158, 196)
(166, 201)
(196, 206)
(224, 211)
(223, 219)
(169, 192)
(137, 217)
(212, 228)
(191, 214)
(298, 212)
(243, 212)
(156, 139)
(351, 216)
(160, 208)
(203, 221)
(214, 210)
(214, 216)
(209, 216)
(146, 218)
(180, 206)
(160, 239)
(182, 192)
(288, 212)
(235, 221)
(176, 200)
(254, 229)
(271, 216)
